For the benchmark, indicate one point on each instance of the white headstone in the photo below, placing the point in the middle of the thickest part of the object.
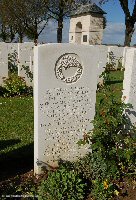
(3, 61)
(25, 56)
(65, 83)
(124, 55)
(117, 52)
(12, 47)
(103, 51)
(129, 83)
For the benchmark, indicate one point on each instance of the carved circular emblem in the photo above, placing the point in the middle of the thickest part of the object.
(68, 68)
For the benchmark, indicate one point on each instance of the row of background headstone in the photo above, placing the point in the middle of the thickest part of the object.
(25, 56)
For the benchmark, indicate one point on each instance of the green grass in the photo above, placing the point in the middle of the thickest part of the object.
(16, 135)
(17, 130)
(116, 81)
(16, 121)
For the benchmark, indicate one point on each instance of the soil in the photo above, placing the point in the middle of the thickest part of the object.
(26, 180)
(7, 187)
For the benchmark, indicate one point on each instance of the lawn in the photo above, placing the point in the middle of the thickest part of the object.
(16, 135)
(117, 83)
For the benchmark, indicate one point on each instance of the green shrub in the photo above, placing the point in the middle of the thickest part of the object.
(84, 167)
(62, 184)
(113, 140)
(14, 85)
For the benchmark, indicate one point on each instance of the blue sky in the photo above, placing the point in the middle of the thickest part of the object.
(113, 34)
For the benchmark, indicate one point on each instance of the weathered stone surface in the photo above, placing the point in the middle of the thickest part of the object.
(129, 83)
(124, 55)
(3, 61)
(12, 47)
(103, 51)
(65, 83)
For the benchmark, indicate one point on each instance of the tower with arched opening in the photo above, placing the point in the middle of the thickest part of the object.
(86, 25)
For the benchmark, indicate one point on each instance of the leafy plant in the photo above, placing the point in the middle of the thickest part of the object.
(14, 85)
(28, 72)
(120, 67)
(62, 184)
(113, 140)
(12, 62)
(13, 68)
(28, 187)
(84, 167)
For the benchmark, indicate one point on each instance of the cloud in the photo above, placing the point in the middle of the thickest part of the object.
(116, 28)
(115, 33)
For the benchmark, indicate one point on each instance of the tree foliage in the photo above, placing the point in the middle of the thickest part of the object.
(25, 17)
(37, 17)
(13, 14)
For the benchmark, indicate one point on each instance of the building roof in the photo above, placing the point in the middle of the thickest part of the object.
(88, 8)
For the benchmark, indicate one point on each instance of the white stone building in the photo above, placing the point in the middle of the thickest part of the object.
(86, 25)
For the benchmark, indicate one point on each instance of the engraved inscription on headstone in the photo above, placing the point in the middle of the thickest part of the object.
(68, 68)
(66, 118)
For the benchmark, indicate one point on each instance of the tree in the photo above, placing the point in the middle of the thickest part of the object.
(12, 15)
(130, 19)
(6, 33)
(37, 18)
(26, 17)
(60, 9)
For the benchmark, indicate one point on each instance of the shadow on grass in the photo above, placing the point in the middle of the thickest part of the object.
(2, 91)
(114, 82)
(6, 143)
(16, 162)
